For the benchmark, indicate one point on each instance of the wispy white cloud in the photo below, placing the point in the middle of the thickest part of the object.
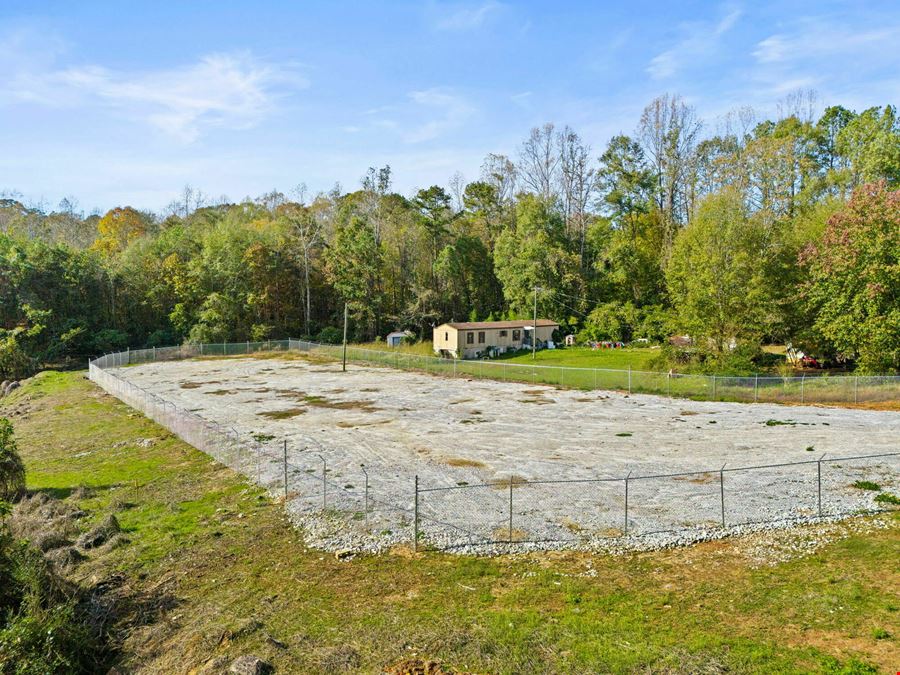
(233, 91)
(832, 54)
(700, 39)
(815, 39)
(453, 110)
(464, 17)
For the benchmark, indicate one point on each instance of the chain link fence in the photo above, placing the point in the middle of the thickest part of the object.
(760, 389)
(354, 510)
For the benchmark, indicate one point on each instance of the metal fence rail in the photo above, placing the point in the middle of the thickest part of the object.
(345, 510)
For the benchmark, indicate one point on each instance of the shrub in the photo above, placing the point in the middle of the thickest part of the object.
(330, 336)
(162, 338)
(110, 340)
(42, 629)
(15, 361)
(12, 470)
(887, 498)
(260, 332)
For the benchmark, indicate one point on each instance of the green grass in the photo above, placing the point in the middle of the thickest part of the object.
(240, 580)
(584, 357)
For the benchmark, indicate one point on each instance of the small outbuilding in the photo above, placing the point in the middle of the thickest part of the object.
(396, 338)
(475, 339)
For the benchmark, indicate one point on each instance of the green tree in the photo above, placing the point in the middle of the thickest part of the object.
(12, 469)
(353, 265)
(534, 254)
(715, 276)
(854, 279)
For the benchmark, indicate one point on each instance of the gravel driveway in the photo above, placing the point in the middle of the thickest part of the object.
(477, 444)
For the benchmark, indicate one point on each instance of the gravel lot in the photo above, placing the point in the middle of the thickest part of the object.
(475, 437)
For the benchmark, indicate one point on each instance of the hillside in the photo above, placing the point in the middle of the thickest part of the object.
(210, 570)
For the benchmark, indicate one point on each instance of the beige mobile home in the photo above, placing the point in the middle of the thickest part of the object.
(475, 339)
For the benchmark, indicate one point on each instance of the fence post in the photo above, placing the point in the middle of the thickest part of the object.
(856, 389)
(248, 346)
(819, 482)
(416, 517)
(626, 501)
(562, 376)
(714, 387)
(756, 388)
(722, 491)
(510, 508)
(154, 352)
(629, 378)
(324, 483)
(366, 503)
(285, 471)
(802, 381)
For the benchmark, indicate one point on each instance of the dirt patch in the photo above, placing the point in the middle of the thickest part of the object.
(700, 479)
(292, 394)
(503, 483)
(685, 413)
(322, 402)
(461, 400)
(353, 425)
(419, 667)
(538, 401)
(190, 385)
(221, 392)
(459, 461)
(503, 534)
(282, 414)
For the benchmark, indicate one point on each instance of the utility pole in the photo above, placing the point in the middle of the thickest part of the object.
(534, 328)
(344, 358)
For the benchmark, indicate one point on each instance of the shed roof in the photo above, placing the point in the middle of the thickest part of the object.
(477, 325)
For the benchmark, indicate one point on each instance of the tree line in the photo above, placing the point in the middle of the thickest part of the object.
(736, 234)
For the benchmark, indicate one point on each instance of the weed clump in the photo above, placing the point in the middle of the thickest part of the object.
(867, 485)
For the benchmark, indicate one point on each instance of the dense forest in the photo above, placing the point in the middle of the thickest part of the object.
(737, 233)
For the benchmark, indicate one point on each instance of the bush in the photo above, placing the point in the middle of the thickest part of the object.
(887, 498)
(110, 340)
(162, 338)
(330, 336)
(12, 470)
(15, 361)
(42, 629)
(654, 323)
(605, 322)
(260, 332)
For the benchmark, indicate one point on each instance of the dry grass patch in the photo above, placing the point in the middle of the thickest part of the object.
(462, 462)
(282, 414)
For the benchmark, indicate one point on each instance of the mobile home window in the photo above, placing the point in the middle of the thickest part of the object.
(470, 338)
(517, 334)
(481, 337)
(446, 336)
(502, 333)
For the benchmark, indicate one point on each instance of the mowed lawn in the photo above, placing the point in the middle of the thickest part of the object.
(212, 570)
(585, 357)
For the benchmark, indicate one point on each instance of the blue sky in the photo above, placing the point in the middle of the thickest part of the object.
(120, 103)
